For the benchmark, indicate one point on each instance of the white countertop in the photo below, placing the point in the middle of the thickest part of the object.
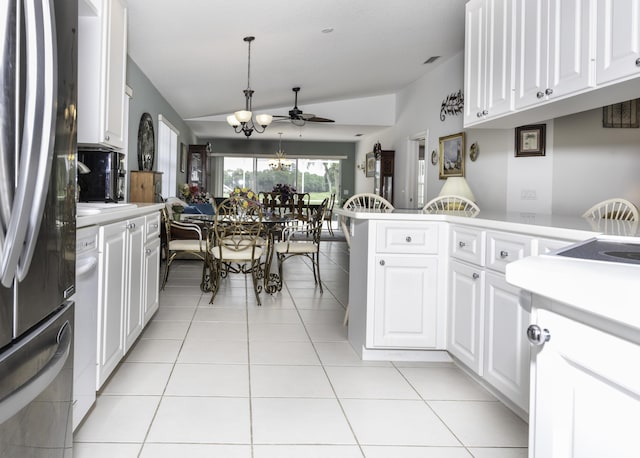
(108, 213)
(540, 225)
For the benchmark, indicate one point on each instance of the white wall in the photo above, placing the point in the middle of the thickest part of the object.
(584, 163)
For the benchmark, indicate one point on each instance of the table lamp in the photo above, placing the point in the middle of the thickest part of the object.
(457, 186)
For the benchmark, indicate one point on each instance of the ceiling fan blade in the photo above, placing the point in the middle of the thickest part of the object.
(319, 119)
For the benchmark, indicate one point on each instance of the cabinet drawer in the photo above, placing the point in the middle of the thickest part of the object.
(467, 244)
(407, 238)
(152, 226)
(503, 248)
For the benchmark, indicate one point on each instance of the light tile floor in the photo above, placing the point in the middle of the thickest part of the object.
(231, 379)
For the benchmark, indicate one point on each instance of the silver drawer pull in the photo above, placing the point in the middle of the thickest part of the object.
(540, 94)
(408, 239)
(538, 336)
(638, 62)
(475, 275)
(504, 254)
(148, 251)
(462, 244)
(382, 262)
(548, 91)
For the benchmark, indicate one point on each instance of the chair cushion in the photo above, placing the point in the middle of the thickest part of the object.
(185, 245)
(296, 247)
(236, 255)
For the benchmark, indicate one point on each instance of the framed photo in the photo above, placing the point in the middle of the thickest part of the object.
(370, 165)
(183, 157)
(452, 156)
(530, 140)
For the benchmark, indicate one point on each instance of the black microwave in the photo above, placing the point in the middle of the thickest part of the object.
(104, 182)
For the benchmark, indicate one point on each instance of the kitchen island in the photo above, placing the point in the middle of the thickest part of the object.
(432, 287)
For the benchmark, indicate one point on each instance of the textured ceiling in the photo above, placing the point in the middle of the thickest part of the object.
(193, 52)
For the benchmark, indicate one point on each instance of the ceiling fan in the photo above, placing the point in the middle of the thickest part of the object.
(296, 115)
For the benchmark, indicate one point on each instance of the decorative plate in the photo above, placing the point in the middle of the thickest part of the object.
(146, 143)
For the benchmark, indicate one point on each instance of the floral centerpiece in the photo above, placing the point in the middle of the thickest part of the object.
(286, 192)
(192, 195)
(244, 197)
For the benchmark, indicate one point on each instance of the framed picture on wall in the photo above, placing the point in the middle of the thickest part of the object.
(370, 165)
(452, 156)
(183, 157)
(530, 140)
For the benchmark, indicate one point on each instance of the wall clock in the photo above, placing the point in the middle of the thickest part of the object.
(146, 143)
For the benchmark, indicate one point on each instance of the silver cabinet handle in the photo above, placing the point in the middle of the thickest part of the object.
(485, 112)
(106, 137)
(540, 94)
(475, 275)
(408, 239)
(153, 226)
(504, 254)
(462, 244)
(131, 226)
(638, 62)
(148, 251)
(548, 91)
(479, 114)
(538, 336)
(382, 262)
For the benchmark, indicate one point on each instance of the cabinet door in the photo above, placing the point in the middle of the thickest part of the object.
(466, 314)
(499, 64)
(151, 284)
(586, 392)
(474, 61)
(531, 51)
(618, 40)
(405, 302)
(506, 349)
(135, 264)
(570, 50)
(115, 41)
(111, 307)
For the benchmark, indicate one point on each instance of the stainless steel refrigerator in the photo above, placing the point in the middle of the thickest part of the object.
(38, 73)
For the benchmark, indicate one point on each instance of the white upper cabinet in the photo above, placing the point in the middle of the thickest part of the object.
(554, 50)
(102, 60)
(488, 59)
(618, 44)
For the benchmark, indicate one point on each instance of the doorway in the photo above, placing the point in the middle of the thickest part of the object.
(416, 149)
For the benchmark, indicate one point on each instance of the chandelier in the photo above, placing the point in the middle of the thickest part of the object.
(242, 120)
(280, 162)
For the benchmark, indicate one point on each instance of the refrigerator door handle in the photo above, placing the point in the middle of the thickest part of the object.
(36, 153)
(21, 397)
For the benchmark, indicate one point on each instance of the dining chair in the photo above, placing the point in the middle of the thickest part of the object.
(235, 245)
(450, 204)
(618, 209)
(181, 238)
(303, 240)
(328, 214)
(365, 200)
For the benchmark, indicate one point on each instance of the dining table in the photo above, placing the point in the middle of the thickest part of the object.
(274, 225)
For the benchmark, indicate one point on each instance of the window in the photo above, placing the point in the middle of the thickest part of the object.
(167, 156)
(320, 177)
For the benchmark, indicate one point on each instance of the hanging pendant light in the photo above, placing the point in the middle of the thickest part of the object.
(242, 120)
(280, 162)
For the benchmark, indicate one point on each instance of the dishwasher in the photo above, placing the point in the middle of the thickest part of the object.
(86, 323)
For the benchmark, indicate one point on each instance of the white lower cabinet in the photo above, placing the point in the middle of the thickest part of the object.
(128, 288)
(506, 349)
(113, 262)
(488, 317)
(585, 402)
(405, 301)
(466, 312)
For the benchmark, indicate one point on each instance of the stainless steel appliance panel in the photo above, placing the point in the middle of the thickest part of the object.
(35, 393)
